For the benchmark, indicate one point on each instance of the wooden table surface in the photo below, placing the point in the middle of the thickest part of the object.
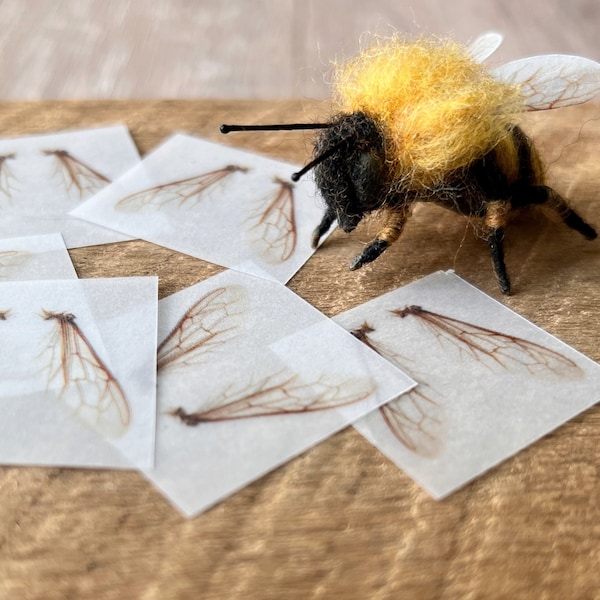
(340, 521)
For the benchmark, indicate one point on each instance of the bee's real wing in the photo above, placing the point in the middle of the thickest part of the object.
(552, 80)
(485, 45)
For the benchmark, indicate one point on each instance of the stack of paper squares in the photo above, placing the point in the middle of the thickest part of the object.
(212, 387)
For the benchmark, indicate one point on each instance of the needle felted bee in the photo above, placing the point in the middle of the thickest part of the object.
(424, 121)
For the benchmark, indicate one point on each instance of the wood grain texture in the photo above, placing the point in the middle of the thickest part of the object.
(65, 49)
(340, 521)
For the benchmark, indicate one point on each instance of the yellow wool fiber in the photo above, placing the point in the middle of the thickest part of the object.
(439, 109)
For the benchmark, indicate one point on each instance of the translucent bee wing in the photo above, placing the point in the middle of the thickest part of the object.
(177, 193)
(416, 421)
(210, 322)
(274, 226)
(280, 394)
(553, 80)
(88, 388)
(485, 45)
(495, 349)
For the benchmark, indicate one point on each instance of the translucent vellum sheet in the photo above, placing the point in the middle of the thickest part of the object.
(44, 177)
(35, 257)
(78, 372)
(490, 382)
(249, 376)
(216, 203)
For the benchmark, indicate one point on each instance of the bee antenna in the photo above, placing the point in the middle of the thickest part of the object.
(279, 127)
(319, 159)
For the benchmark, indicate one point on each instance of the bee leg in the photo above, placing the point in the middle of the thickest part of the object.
(322, 228)
(496, 217)
(546, 195)
(396, 218)
(496, 242)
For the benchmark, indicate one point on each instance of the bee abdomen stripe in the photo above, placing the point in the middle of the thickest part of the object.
(389, 234)
(497, 213)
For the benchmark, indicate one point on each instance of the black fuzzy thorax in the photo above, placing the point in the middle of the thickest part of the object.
(355, 180)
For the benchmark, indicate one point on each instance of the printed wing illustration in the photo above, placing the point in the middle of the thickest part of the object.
(88, 388)
(77, 174)
(12, 260)
(176, 194)
(273, 227)
(282, 393)
(6, 176)
(210, 322)
(415, 419)
(492, 348)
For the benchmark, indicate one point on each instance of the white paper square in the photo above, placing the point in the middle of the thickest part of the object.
(44, 177)
(216, 203)
(77, 370)
(491, 382)
(35, 257)
(233, 342)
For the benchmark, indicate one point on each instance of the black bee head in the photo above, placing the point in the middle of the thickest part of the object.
(349, 164)
(352, 179)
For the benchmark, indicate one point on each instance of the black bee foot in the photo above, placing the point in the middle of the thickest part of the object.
(369, 254)
(314, 239)
(504, 284)
(496, 243)
(356, 263)
(573, 220)
(322, 228)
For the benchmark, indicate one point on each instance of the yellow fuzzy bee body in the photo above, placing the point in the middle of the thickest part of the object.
(424, 121)
(438, 109)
